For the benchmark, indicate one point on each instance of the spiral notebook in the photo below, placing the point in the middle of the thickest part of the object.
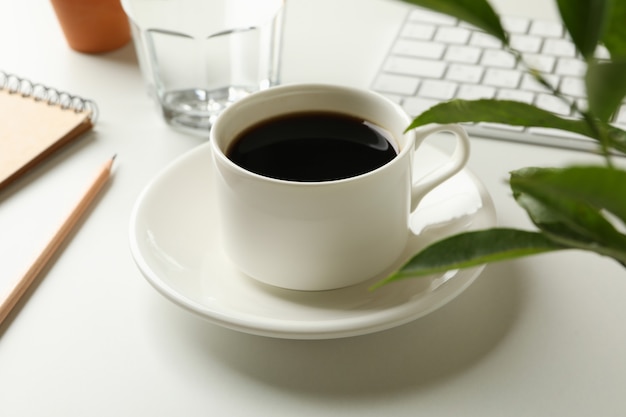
(35, 121)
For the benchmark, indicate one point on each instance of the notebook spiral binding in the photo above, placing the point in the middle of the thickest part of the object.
(39, 92)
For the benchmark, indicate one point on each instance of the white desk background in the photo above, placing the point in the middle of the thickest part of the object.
(543, 336)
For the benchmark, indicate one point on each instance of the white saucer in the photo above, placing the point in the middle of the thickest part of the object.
(174, 242)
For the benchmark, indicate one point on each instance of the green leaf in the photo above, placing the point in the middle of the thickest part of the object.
(472, 249)
(572, 223)
(567, 204)
(560, 222)
(512, 113)
(498, 111)
(585, 21)
(606, 87)
(615, 34)
(476, 12)
(617, 138)
(599, 186)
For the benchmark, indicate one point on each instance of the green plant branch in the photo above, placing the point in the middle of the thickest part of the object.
(574, 207)
(601, 135)
(471, 249)
(596, 131)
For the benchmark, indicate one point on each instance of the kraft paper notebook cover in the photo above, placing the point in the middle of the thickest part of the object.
(36, 120)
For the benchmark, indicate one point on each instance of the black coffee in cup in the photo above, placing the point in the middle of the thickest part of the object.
(312, 146)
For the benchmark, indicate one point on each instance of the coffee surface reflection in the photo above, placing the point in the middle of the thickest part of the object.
(312, 146)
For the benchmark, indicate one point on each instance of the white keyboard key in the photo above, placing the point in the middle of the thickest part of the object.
(464, 73)
(515, 24)
(443, 90)
(423, 15)
(397, 84)
(466, 25)
(529, 83)
(620, 118)
(525, 43)
(482, 40)
(423, 31)
(453, 35)
(602, 53)
(497, 58)
(515, 95)
(475, 92)
(619, 125)
(415, 106)
(546, 28)
(559, 47)
(571, 66)
(546, 131)
(472, 65)
(552, 104)
(415, 66)
(502, 78)
(500, 126)
(573, 87)
(542, 63)
(621, 115)
(462, 53)
(419, 49)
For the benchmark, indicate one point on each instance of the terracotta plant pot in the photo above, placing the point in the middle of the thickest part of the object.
(93, 26)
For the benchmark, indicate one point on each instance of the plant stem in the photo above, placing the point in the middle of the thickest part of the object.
(599, 132)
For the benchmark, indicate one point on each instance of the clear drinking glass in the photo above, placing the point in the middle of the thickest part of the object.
(199, 56)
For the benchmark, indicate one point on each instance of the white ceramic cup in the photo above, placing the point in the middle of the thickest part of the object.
(329, 234)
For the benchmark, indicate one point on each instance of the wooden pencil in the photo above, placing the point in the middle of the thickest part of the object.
(24, 282)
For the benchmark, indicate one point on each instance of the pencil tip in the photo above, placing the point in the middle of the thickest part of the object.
(113, 157)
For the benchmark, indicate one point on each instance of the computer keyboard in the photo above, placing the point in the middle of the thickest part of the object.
(436, 58)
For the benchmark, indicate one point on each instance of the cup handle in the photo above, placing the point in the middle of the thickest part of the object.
(457, 161)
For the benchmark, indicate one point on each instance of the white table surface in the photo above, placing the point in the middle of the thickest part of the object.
(542, 336)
